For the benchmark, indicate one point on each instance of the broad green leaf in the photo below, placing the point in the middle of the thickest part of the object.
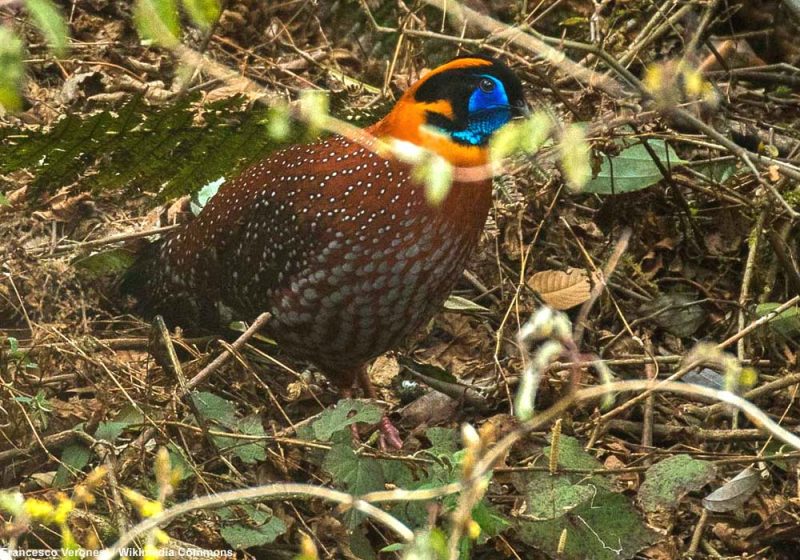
(105, 263)
(572, 455)
(157, 21)
(110, 431)
(4, 200)
(246, 526)
(252, 451)
(604, 528)
(180, 464)
(444, 441)
(74, 458)
(600, 523)
(717, 171)
(361, 547)
(668, 481)
(358, 475)
(203, 13)
(50, 22)
(787, 323)
(427, 545)
(12, 70)
(633, 169)
(490, 520)
(338, 418)
(557, 496)
(215, 408)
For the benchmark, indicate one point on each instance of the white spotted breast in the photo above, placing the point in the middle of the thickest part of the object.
(336, 242)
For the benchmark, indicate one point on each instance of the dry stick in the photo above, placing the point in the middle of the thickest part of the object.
(104, 241)
(597, 289)
(532, 44)
(688, 367)
(260, 321)
(750, 263)
(697, 534)
(256, 494)
(495, 454)
(631, 53)
(257, 325)
(651, 371)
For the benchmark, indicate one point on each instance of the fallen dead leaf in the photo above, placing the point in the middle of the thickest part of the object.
(562, 289)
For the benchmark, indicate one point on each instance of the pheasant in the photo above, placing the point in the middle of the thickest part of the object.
(337, 242)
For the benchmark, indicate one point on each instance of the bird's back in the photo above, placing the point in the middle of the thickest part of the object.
(337, 242)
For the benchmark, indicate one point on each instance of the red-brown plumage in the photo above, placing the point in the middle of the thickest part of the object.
(335, 241)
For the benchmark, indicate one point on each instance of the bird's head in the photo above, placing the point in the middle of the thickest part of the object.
(456, 108)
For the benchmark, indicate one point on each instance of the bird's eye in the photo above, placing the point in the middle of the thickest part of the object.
(486, 85)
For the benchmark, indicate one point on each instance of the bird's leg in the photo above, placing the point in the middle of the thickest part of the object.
(389, 434)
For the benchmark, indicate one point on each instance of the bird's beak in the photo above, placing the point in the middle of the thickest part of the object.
(521, 109)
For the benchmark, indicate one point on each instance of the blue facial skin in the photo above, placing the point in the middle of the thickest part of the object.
(489, 110)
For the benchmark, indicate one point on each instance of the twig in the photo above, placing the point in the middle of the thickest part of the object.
(257, 325)
(256, 494)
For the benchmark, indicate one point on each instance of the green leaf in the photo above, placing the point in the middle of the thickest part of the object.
(786, 324)
(157, 21)
(179, 462)
(338, 418)
(110, 431)
(105, 263)
(600, 524)
(633, 169)
(490, 520)
(444, 441)
(358, 475)
(558, 495)
(74, 458)
(50, 22)
(669, 480)
(604, 528)
(215, 408)
(717, 171)
(203, 13)
(361, 547)
(4, 200)
(246, 526)
(572, 455)
(427, 545)
(250, 452)
(12, 70)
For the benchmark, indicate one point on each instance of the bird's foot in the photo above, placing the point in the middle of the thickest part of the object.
(390, 436)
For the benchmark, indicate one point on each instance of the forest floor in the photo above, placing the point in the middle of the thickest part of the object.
(691, 218)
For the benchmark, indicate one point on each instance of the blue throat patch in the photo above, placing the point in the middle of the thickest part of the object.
(482, 125)
(488, 111)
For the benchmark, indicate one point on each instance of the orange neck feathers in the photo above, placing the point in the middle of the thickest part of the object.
(407, 121)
